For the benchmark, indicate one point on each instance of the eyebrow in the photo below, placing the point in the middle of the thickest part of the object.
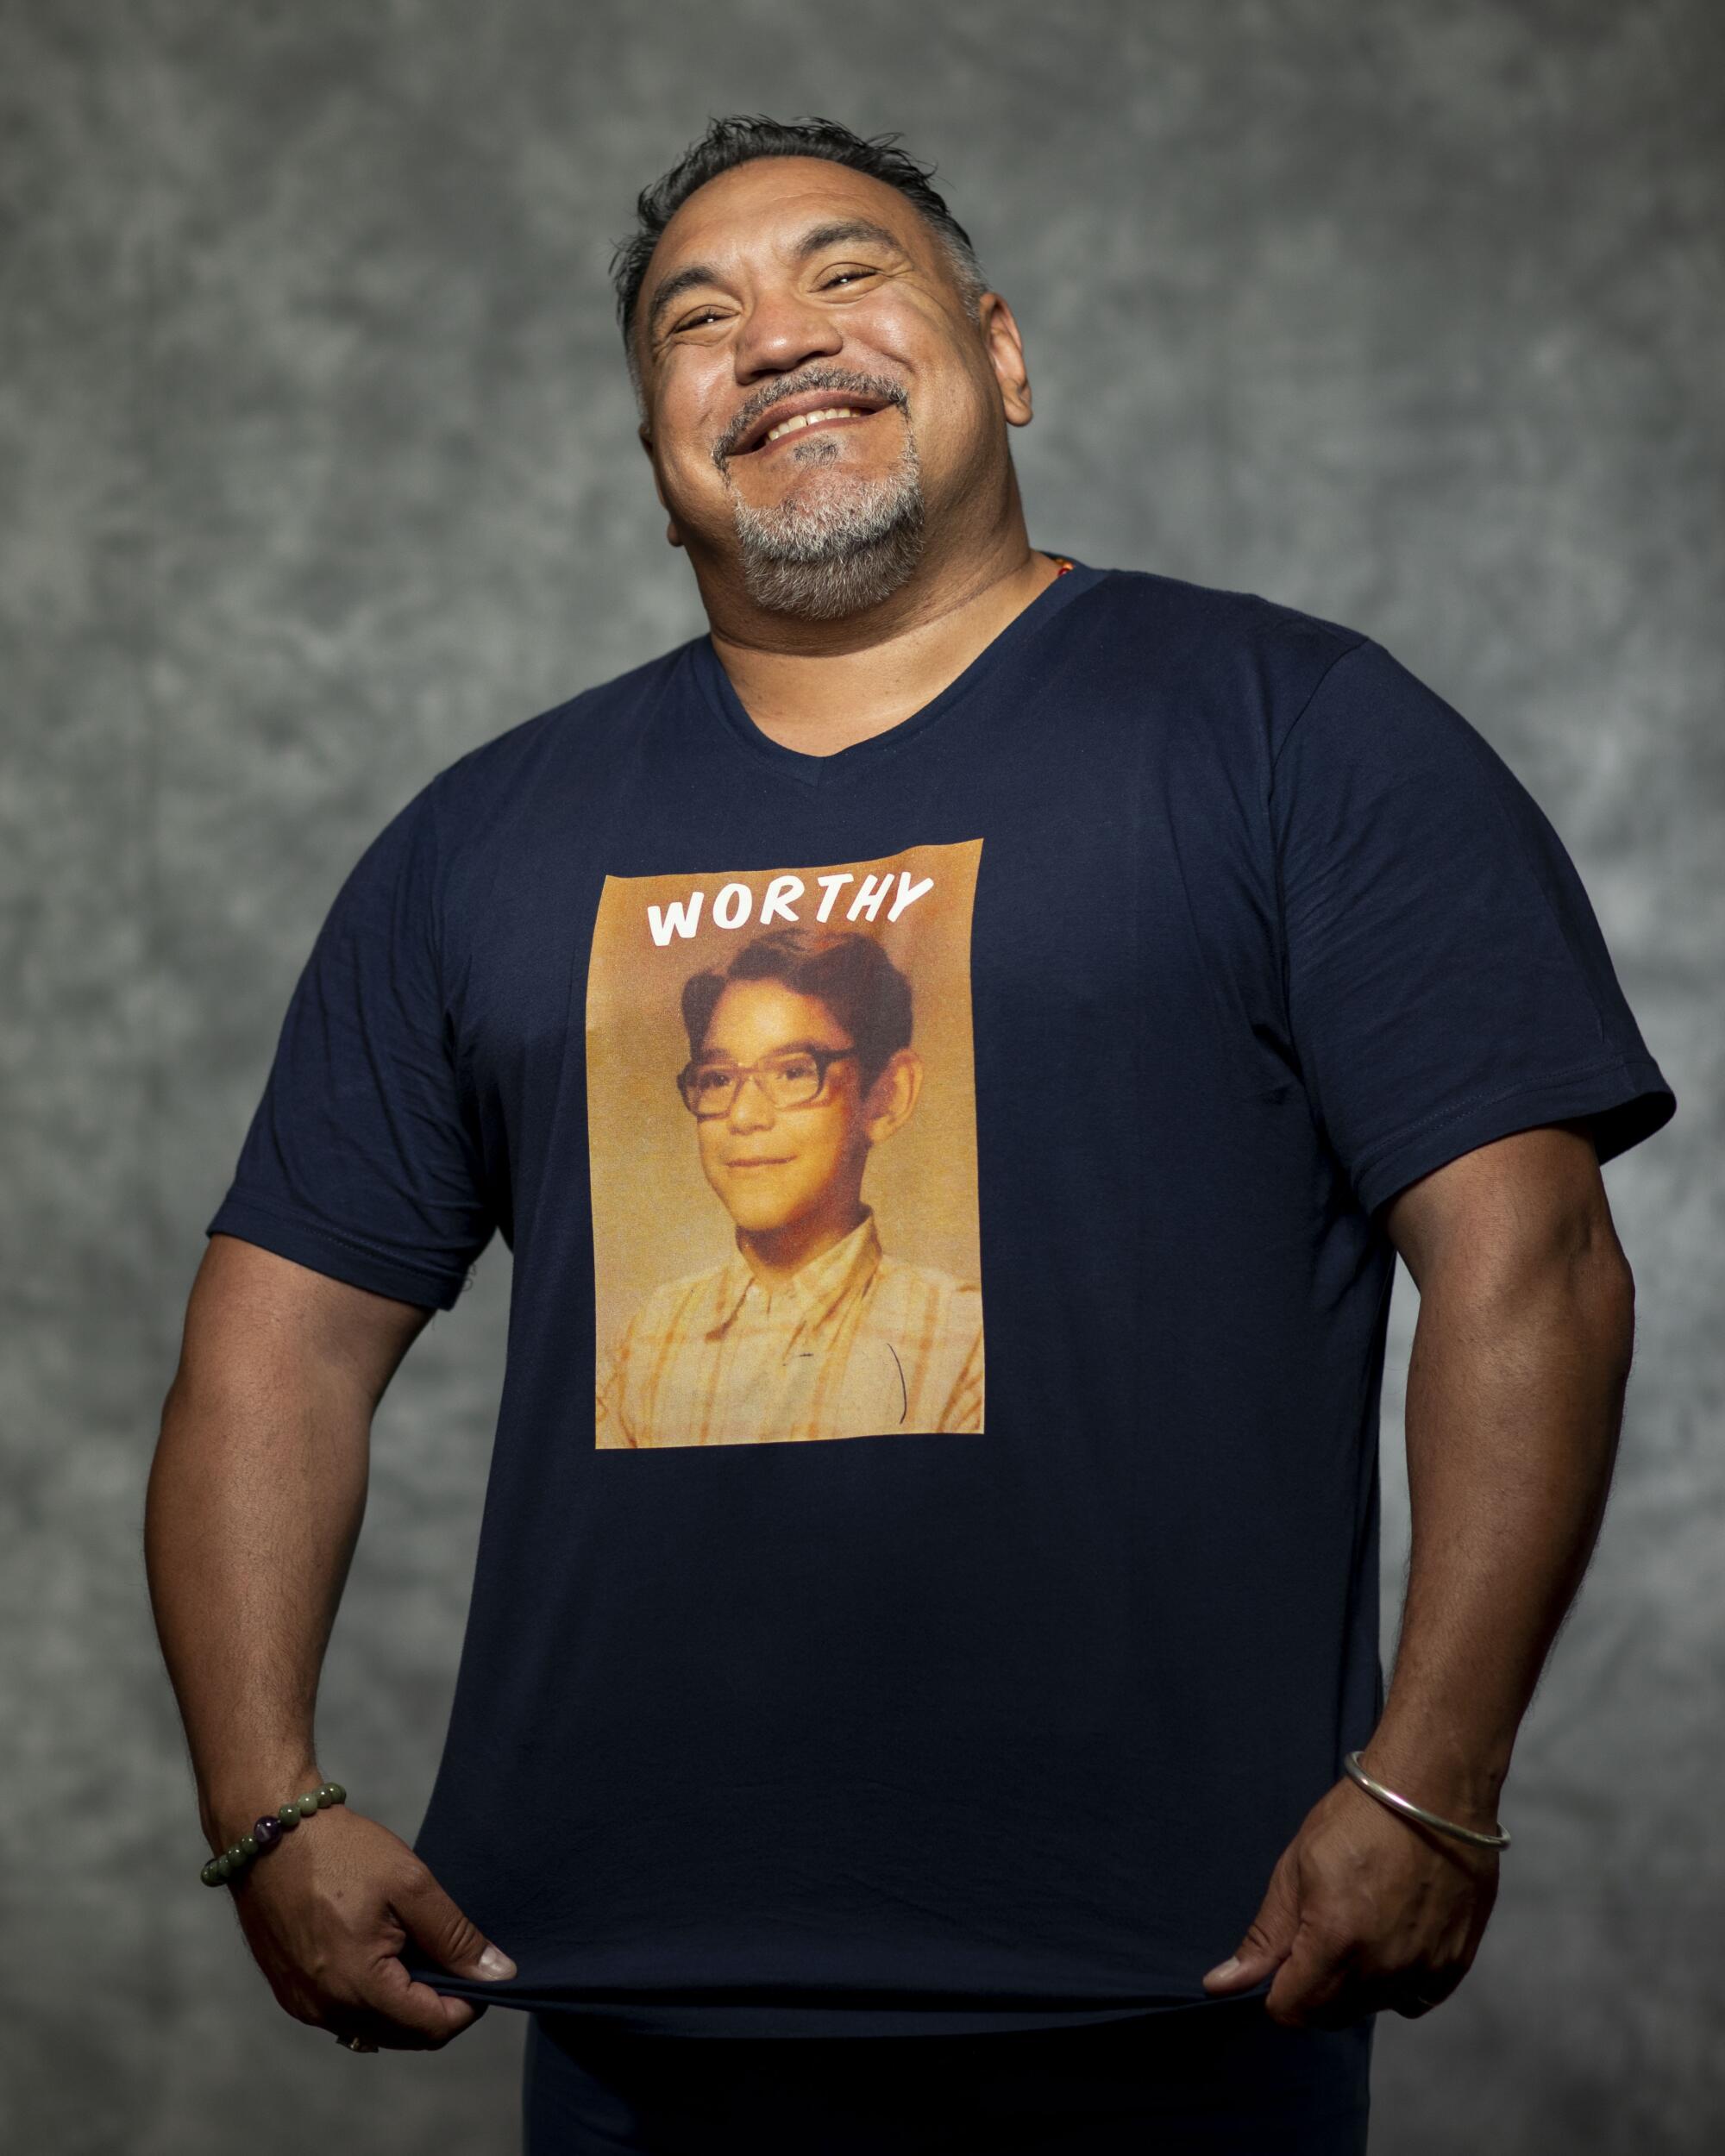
(832, 233)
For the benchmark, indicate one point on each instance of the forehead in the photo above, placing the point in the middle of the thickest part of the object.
(772, 1009)
(754, 216)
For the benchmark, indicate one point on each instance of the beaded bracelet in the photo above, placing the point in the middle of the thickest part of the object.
(269, 1830)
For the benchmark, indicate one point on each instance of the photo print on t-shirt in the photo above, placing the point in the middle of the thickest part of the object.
(782, 1152)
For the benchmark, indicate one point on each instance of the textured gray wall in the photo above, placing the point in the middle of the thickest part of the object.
(317, 463)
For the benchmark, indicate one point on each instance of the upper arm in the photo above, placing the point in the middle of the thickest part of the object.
(250, 1310)
(1525, 1206)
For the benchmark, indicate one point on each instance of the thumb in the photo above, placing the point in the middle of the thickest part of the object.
(451, 1939)
(1268, 1937)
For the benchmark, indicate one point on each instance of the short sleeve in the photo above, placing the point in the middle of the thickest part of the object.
(1447, 982)
(360, 1161)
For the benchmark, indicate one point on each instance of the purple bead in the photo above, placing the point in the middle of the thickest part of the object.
(266, 1830)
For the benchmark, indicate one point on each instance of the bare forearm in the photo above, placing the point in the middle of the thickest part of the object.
(1514, 1401)
(253, 1505)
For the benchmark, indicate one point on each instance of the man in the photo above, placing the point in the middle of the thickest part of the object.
(1277, 970)
(800, 1064)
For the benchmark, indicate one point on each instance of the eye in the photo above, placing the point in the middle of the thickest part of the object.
(705, 314)
(834, 278)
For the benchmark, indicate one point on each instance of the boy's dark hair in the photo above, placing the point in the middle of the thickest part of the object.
(734, 141)
(847, 971)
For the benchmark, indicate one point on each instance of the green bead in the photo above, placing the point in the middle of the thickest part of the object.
(322, 1800)
(289, 1814)
(248, 1846)
(221, 1867)
(236, 1856)
(337, 1794)
(210, 1876)
(306, 1805)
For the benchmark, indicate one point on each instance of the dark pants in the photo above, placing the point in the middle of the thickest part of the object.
(1217, 2080)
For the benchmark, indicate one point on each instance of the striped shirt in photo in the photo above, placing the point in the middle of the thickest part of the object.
(856, 1343)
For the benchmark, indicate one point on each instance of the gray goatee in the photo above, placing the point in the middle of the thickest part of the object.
(837, 541)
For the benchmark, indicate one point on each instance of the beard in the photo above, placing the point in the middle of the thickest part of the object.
(839, 542)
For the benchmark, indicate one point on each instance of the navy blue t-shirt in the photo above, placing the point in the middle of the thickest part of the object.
(984, 1131)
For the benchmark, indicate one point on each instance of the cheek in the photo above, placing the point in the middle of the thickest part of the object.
(834, 1135)
(686, 421)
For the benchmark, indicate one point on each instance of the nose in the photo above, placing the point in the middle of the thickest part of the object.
(783, 332)
(742, 1119)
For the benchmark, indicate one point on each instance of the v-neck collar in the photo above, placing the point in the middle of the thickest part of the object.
(862, 756)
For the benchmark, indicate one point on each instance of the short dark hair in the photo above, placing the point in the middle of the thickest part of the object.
(740, 137)
(846, 970)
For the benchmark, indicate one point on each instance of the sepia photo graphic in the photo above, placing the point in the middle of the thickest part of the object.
(782, 1148)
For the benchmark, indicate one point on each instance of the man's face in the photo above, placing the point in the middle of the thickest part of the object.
(771, 1166)
(797, 282)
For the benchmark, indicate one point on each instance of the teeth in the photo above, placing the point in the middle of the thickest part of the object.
(805, 418)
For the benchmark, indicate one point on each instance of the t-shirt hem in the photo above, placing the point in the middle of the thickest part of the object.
(1628, 1095)
(673, 2017)
(327, 1250)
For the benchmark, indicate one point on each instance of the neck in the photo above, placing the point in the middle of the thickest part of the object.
(866, 674)
(774, 1256)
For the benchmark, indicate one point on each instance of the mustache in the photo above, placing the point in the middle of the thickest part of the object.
(825, 378)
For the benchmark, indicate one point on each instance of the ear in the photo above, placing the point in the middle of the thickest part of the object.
(893, 1094)
(1005, 347)
(672, 535)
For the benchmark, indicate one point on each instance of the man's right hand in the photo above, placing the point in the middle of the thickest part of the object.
(326, 1912)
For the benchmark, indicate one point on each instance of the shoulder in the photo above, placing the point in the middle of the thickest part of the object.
(495, 770)
(452, 814)
(675, 1304)
(1204, 651)
(1188, 614)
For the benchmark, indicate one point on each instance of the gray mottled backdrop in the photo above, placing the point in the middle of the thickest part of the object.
(318, 468)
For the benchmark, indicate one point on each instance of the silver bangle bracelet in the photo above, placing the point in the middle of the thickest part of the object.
(1497, 1839)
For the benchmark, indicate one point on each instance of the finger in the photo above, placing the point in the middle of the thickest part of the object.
(392, 2010)
(434, 1921)
(1415, 1992)
(1318, 1985)
(1338, 1995)
(1268, 1937)
(384, 2002)
(426, 1914)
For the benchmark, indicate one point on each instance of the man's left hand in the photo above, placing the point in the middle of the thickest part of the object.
(1366, 1910)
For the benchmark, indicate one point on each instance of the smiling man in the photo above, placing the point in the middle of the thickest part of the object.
(1053, 1757)
(826, 386)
